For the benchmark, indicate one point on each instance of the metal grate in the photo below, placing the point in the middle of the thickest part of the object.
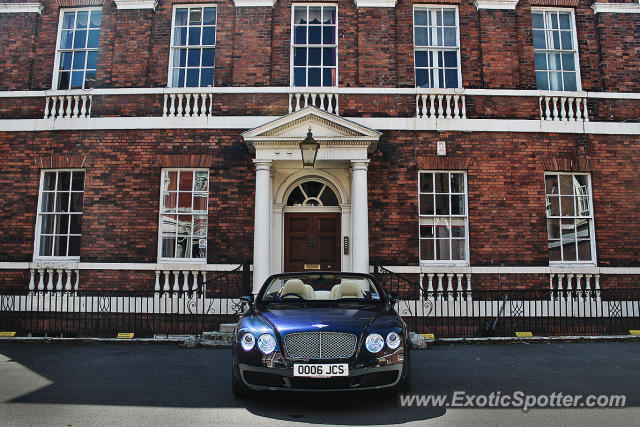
(320, 345)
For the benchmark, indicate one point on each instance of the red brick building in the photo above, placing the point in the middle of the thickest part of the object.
(146, 144)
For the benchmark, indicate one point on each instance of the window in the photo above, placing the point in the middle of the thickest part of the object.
(436, 47)
(59, 222)
(314, 46)
(569, 217)
(77, 53)
(554, 44)
(193, 46)
(183, 214)
(312, 193)
(443, 217)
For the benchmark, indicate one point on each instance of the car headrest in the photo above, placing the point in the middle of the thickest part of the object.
(350, 289)
(293, 286)
(309, 293)
(335, 291)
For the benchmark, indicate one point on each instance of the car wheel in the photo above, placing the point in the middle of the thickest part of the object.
(238, 388)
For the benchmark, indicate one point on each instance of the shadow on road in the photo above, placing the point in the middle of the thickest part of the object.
(168, 376)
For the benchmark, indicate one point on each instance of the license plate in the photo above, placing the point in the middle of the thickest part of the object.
(323, 370)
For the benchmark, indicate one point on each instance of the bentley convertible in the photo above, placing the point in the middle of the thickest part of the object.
(321, 331)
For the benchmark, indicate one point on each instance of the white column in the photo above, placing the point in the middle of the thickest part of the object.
(359, 217)
(261, 249)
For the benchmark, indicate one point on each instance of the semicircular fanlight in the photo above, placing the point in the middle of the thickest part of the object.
(312, 193)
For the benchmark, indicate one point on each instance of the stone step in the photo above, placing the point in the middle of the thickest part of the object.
(217, 336)
(227, 327)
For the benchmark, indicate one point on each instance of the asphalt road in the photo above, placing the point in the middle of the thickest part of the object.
(157, 385)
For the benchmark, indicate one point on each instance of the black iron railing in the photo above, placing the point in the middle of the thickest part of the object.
(462, 312)
(146, 314)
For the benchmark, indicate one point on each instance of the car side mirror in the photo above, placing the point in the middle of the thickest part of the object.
(393, 298)
(248, 299)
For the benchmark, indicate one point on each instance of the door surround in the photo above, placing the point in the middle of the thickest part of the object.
(281, 195)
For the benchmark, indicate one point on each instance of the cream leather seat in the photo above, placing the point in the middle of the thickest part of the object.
(349, 289)
(334, 292)
(294, 286)
(309, 293)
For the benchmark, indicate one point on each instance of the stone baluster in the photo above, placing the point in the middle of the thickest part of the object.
(176, 284)
(32, 283)
(156, 286)
(172, 110)
(180, 112)
(210, 112)
(290, 103)
(551, 276)
(430, 285)
(449, 287)
(50, 280)
(561, 296)
(468, 275)
(456, 109)
(90, 101)
(569, 286)
(297, 101)
(46, 107)
(447, 100)
(76, 110)
(459, 287)
(185, 283)
(164, 106)
(83, 110)
(77, 284)
(59, 281)
(194, 287)
(540, 104)
(440, 112)
(596, 286)
(67, 286)
(418, 97)
(563, 113)
(584, 109)
(432, 108)
(337, 110)
(464, 108)
(69, 107)
(587, 285)
(330, 104)
(547, 115)
(61, 106)
(439, 290)
(41, 280)
(166, 286)
(579, 286)
(554, 101)
(571, 114)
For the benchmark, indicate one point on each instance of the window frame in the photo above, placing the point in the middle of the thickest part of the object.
(591, 218)
(292, 46)
(571, 11)
(39, 216)
(176, 260)
(56, 57)
(466, 261)
(172, 47)
(458, 47)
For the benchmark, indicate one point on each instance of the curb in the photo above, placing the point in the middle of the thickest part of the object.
(513, 340)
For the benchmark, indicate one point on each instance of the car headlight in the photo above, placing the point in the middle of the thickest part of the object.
(248, 341)
(266, 343)
(374, 343)
(393, 340)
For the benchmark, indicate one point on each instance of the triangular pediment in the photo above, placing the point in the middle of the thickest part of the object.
(327, 129)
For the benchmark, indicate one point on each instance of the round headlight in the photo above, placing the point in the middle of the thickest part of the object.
(393, 340)
(266, 343)
(248, 341)
(374, 343)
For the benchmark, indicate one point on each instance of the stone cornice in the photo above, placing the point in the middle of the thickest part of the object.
(496, 4)
(136, 4)
(254, 3)
(616, 8)
(21, 8)
(375, 3)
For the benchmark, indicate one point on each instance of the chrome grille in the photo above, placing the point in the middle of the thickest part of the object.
(320, 345)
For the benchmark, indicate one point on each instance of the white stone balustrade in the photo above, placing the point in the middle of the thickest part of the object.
(53, 279)
(187, 105)
(324, 101)
(441, 106)
(67, 107)
(564, 108)
(179, 280)
(449, 286)
(574, 286)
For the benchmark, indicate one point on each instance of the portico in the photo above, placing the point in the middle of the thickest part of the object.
(335, 188)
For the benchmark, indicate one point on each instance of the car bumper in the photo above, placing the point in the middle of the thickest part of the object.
(367, 378)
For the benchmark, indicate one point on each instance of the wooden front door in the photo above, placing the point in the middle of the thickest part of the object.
(312, 241)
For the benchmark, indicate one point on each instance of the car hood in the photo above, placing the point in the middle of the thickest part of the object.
(336, 319)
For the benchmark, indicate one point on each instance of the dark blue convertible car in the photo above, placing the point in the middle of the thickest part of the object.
(322, 331)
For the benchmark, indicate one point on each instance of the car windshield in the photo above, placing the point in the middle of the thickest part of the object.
(321, 287)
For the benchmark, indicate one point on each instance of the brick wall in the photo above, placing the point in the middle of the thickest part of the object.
(17, 42)
(375, 46)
